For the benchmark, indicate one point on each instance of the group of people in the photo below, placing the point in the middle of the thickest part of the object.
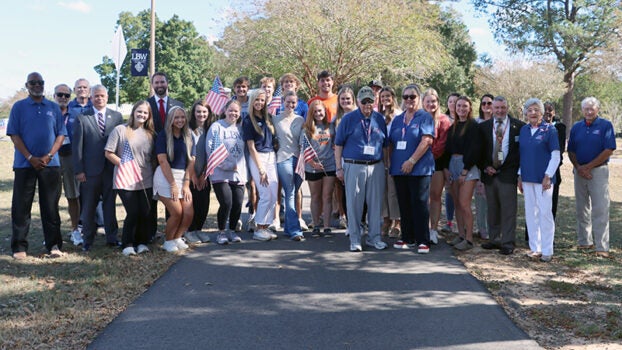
(375, 165)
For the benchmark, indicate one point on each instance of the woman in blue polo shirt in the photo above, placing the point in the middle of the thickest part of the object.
(539, 157)
(171, 181)
(258, 132)
(412, 166)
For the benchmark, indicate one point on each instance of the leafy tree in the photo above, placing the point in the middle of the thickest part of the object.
(518, 80)
(571, 31)
(458, 76)
(353, 39)
(7, 104)
(180, 52)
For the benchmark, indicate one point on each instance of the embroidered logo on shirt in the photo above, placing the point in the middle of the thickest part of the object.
(596, 132)
(50, 114)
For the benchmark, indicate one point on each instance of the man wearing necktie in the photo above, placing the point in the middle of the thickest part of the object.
(160, 102)
(501, 161)
(93, 171)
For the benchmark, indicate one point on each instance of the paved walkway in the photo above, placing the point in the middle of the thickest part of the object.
(314, 295)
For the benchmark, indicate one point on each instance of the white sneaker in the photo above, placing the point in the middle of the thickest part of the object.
(142, 249)
(222, 238)
(251, 226)
(203, 236)
(262, 235)
(76, 238)
(380, 245)
(303, 224)
(192, 237)
(433, 236)
(181, 245)
(238, 226)
(170, 246)
(233, 237)
(127, 251)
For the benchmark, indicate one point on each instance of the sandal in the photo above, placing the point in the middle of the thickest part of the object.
(395, 232)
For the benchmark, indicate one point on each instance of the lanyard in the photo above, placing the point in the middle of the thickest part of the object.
(367, 130)
(405, 127)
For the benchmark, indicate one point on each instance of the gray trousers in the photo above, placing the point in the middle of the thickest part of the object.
(364, 184)
(592, 206)
(502, 204)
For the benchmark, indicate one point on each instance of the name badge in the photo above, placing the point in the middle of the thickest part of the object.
(516, 138)
(500, 156)
(401, 145)
(369, 150)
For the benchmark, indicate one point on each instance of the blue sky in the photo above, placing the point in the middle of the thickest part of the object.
(64, 40)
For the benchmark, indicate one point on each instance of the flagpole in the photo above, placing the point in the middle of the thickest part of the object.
(152, 46)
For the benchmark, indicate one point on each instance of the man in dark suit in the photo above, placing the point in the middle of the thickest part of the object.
(93, 171)
(500, 163)
(550, 117)
(161, 103)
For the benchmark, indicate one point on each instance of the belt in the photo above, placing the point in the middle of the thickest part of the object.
(362, 162)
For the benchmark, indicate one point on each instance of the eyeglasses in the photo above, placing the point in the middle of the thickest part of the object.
(60, 94)
(409, 97)
(486, 103)
(367, 101)
(36, 82)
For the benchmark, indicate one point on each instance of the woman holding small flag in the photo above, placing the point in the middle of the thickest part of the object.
(318, 152)
(288, 126)
(258, 131)
(171, 181)
(226, 169)
(130, 149)
(201, 117)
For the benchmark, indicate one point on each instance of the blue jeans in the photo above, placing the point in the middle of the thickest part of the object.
(290, 182)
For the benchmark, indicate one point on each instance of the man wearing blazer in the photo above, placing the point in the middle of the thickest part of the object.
(161, 103)
(500, 163)
(93, 171)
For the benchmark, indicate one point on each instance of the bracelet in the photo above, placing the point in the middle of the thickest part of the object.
(411, 160)
(340, 169)
(50, 155)
(29, 157)
(186, 179)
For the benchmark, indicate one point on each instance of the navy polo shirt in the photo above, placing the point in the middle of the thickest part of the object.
(37, 124)
(179, 150)
(587, 142)
(263, 144)
(535, 151)
(355, 132)
(421, 125)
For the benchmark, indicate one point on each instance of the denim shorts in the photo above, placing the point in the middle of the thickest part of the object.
(456, 166)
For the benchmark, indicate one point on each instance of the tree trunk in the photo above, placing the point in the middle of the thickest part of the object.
(568, 95)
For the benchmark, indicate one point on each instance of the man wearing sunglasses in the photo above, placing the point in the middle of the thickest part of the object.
(361, 140)
(37, 130)
(62, 94)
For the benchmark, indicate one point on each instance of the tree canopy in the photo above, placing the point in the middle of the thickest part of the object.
(180, 52)
(570, 31)
(353, 39)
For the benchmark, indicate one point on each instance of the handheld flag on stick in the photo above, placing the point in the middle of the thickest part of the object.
(128, 172)
(218, 155)
(275, 104)
(216, 98)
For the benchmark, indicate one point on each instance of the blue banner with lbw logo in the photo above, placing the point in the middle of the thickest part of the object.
(140, 62)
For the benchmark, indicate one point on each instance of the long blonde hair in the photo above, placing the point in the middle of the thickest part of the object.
(264, 112)
(184, 133)
(437, 113)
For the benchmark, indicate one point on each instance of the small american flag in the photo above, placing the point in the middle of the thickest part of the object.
(218, 155)
(275, 104)
(308, 153)
(216, 98)
(128, 172)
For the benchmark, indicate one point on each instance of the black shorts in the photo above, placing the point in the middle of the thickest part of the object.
(318, 176)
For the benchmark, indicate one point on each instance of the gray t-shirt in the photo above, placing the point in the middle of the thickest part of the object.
(233, 168)
(288, 131)
(322, 142)
(141, 144)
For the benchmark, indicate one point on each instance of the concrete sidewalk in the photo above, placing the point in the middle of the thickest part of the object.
(314, 295)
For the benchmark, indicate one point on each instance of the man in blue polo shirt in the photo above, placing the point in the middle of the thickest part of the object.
(37, 129)
(361, 140)
(591, 143)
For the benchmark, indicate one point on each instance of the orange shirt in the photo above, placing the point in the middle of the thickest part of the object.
(330, 104)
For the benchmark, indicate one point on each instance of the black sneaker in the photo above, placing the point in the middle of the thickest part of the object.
(328, 232)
